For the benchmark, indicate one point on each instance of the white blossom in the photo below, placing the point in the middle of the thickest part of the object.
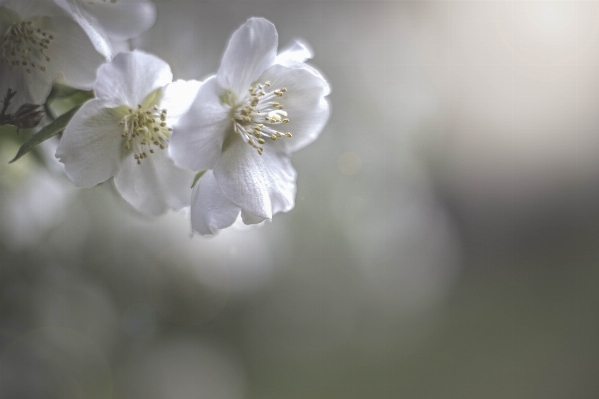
(243, 126)
(124, 132)
(108, 23)
(41, 45)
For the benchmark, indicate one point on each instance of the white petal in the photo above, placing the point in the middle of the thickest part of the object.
(177, 98)
(72, 53)
(281, 179)
(7, 18)
(248, 218)
(260, 185)
(252, 49)
(31, 88)
(130, 77)
(33, 8)
(123, 19)
(71, 58)
(304, 102)
(100, 41)
(210, 209)
(198, 138)
(154, 185)
(241, 175)
(91, 147)
(297, 52)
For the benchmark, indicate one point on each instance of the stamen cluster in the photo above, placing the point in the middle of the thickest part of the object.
(250, 117)
(24, 45)
(145, 128)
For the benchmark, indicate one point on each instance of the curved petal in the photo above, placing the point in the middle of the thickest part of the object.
(97, 36)
(72, 53)
(261, 185)
(130, 77)
(121, 20)
(198, 138)
(33, 8)
(7, 18)
(32, 88)
(281, 179)
(154, 185)
(297, 52)
(210, 209)
(177, 98)
(304, 101)
(252, 49)
(240, 173)
(91, 147)
(248, 218)
(69, 56)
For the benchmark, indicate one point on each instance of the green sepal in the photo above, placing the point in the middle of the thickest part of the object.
(197, 177)
(45, 133)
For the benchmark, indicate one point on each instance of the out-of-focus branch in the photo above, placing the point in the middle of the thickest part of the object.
(27, 116)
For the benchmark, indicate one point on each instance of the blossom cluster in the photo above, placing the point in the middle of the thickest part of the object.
(221, 147)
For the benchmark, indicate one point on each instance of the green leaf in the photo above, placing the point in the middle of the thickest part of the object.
(47, 132)
(197, 177)
(62, 91)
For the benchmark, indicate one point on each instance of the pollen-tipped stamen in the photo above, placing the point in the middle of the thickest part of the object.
(145, 128)
(249, 117)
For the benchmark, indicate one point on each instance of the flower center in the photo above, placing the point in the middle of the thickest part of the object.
(145, 129)
(23, 46)
(254, 119)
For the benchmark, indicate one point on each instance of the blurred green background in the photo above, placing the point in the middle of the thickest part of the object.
(443, 242)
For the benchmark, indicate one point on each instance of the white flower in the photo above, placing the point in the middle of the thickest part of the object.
(124, 132)
(40, 45)
(110, 22)
(244, 124)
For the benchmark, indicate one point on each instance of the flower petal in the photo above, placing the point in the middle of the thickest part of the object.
(33, 8)
(177, 98)
(252, 49)
(260, 185)
(121, 20)
(130, 77)
(32, 88)
(198, 138)
(210, 209)
(7, 18)
(248, 218)
(241, 175)
(297, 52)
(97, 36)
(281, 179)
(72, 53)
(154, 185)
(91, 147)
(304, 101)
(70, 57)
